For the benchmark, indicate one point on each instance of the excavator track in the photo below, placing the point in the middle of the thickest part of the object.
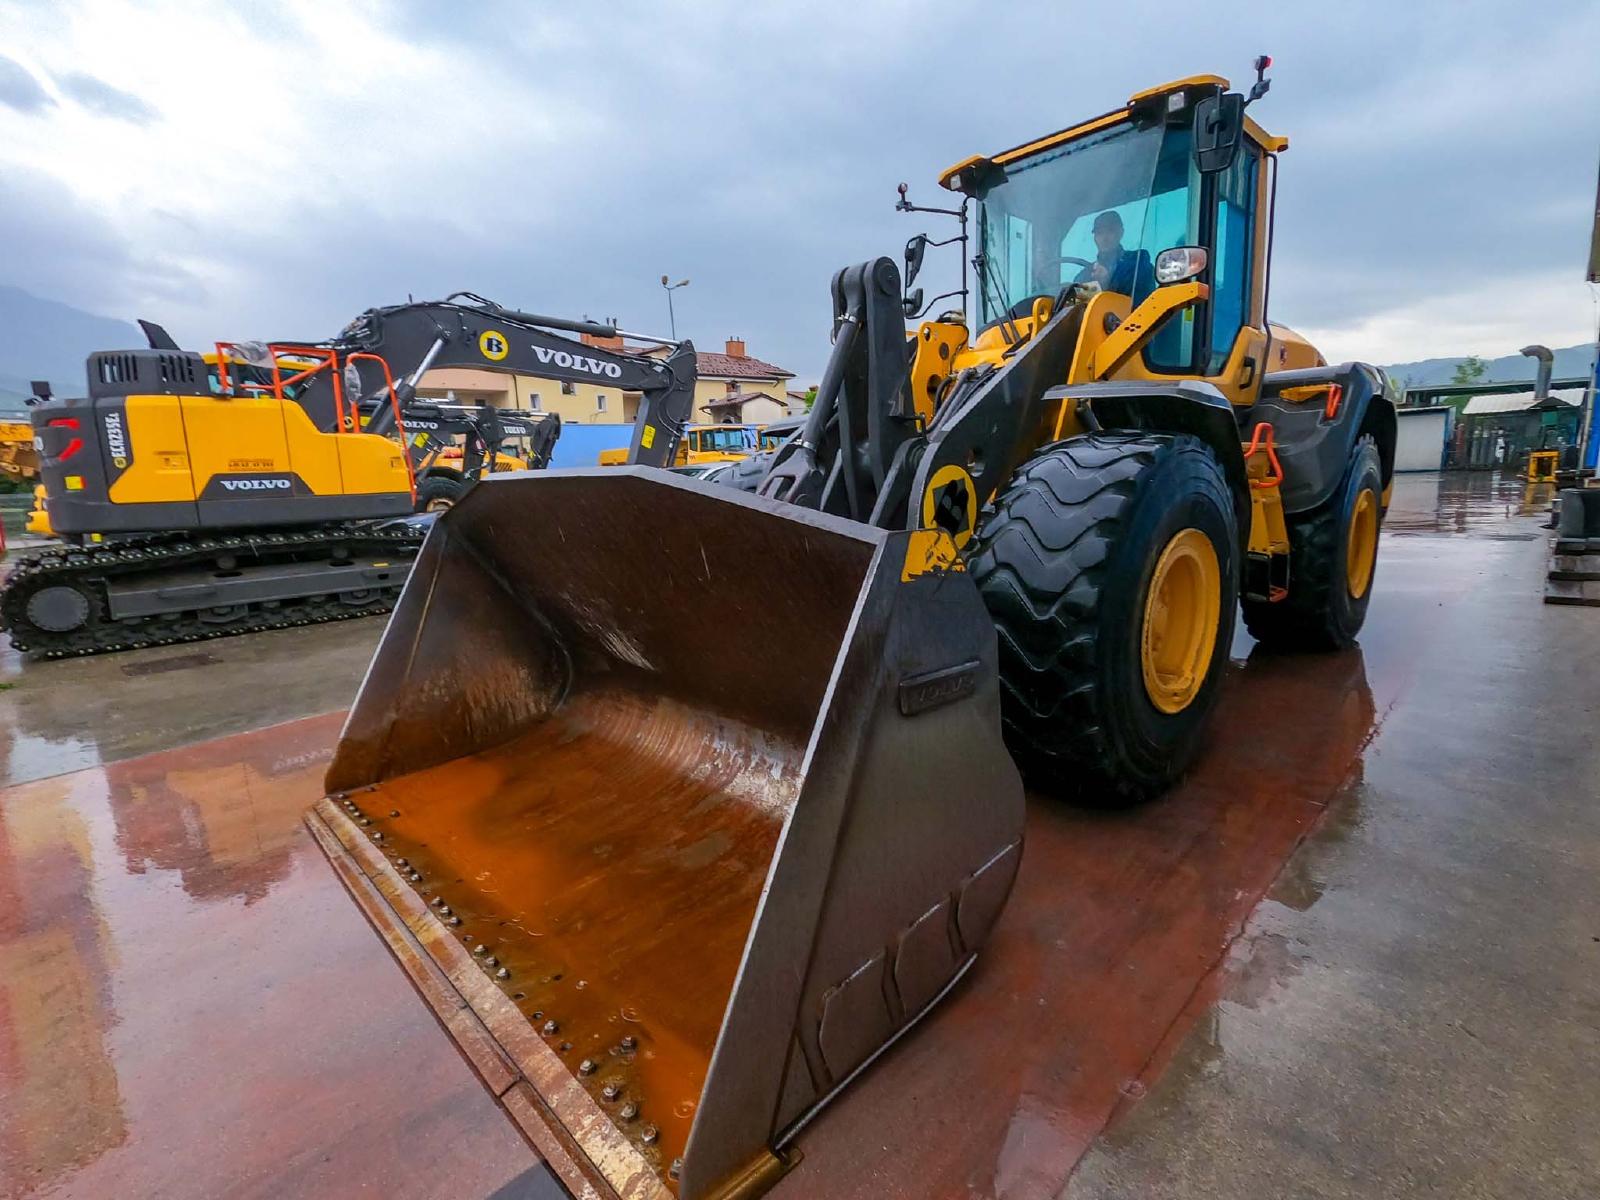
(75, 580)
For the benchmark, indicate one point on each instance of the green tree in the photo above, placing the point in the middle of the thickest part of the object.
(1469, 370)
(811, 397)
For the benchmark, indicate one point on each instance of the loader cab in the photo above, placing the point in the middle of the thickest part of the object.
(1115, 208)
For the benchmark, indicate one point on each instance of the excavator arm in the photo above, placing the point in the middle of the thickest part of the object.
(465, 330)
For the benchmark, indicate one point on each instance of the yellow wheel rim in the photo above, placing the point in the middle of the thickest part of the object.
(1181, 612)
(1361, 544)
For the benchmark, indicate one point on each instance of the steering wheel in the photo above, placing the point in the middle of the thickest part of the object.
(1075, 261)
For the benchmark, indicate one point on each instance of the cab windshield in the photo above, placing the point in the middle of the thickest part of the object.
(1098, 209)
(733, 439)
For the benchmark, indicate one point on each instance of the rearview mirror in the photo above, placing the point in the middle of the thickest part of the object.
(912, 304)
(915, 249)
(1218, 128)
(1180, 263)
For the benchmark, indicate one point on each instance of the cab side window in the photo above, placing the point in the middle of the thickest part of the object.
(1235, 249)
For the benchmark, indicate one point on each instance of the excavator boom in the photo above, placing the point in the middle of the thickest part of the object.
(464, 330)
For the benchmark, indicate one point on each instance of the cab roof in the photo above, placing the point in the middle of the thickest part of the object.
(1271, 143)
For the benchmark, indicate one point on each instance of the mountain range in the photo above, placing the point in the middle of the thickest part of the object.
(1571, 362)
(45, 339)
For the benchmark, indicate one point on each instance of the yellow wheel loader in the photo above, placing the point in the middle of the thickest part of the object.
(680, 804)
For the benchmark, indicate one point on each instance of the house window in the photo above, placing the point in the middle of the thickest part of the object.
(533, 402)
(600, 403)
(568, 388)
(731, 387)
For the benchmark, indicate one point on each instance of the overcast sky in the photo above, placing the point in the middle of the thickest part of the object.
(239, 170)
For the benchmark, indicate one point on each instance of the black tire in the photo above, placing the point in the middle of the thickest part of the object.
(435, 493)
(1064, 558)
(1320, 613)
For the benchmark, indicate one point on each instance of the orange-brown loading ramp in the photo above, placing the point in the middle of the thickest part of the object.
(229, 1025)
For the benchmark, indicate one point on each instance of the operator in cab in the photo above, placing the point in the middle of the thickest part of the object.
(1117, 270)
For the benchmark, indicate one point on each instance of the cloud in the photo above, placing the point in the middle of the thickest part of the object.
(60, 247)
(1555, 308)
(20, 90)
(99, 96)
(344, 153)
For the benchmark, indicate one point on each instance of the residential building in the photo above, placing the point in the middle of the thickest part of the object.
(735, 387)
(579, 403)
(731, 388)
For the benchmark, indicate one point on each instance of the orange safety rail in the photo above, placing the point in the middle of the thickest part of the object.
(394, 402)
(224, 349)
(1256, 445)
(1335, 398)
(329, 364)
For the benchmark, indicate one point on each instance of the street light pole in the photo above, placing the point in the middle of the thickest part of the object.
(669, 288)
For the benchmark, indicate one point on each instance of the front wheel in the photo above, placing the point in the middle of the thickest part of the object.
(1333, 557)
(437, 493)
(1109, 565)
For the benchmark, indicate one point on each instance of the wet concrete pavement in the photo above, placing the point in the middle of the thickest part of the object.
(1355, 954)
(1415, 1007)
(62, 716)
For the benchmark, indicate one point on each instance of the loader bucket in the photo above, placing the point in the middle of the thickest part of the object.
(678, 805)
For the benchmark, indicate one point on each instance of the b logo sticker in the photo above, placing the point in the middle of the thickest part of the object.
(492, 345)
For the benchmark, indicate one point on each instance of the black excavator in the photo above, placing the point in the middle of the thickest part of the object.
(453, 446)
(199, 496)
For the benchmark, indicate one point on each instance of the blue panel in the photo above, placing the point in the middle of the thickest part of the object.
(580, 445)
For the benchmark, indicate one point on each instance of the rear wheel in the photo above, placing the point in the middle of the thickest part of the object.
(436, 493)
(1109, 566)
(1333, 553)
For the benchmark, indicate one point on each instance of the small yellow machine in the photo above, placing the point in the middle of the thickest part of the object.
(17, 454)
(701, 444)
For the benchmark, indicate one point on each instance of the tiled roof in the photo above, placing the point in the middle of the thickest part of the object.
(733, 398)
(727, 366)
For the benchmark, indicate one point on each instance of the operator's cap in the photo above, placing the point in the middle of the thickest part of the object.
(1111, 218)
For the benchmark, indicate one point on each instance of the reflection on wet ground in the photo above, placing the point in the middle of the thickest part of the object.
(57, 717)
(191, 1007)
(1481, 503)
(1411, 1010)
(187, 1010)
(60, 1088)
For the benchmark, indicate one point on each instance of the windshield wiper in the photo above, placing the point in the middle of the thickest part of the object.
(989, 278)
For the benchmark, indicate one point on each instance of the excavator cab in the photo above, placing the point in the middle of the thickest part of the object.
(680, 804)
